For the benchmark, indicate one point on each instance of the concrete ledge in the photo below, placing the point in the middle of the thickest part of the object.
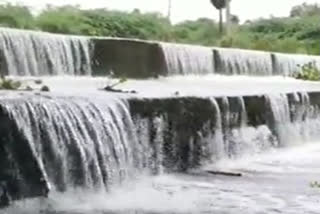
(146, 59)
(189, 121)
(129, 58)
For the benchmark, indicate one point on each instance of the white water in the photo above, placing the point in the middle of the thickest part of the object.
(197, 60)
(289, 64)
(210, 85)
(244, 62)
(276, 182)
(31, 53)
(188, 59)
(273, 181)
(77, 142)
(77, 128)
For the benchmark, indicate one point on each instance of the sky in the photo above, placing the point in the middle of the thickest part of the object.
(182, 9)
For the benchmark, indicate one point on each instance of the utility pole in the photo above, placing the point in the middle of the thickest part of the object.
(221, 21)
(228, 21)
(169, 9)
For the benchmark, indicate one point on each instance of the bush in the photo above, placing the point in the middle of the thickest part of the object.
(64, 20)
(202, 31)
(130, 25)
(315, 184)
(9, 84)
(16, 16)
(309, 71)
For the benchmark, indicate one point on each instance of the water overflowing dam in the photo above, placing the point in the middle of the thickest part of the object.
(31, 53)
(203, 113)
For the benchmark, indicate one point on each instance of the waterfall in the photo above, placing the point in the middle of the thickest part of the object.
(243, 62)
(31, 53)
(218, 147)
(77, 142)
(233, 136)
(294, 120)
(97, 142)
(289, 64)
(197, 60)
(188, 59)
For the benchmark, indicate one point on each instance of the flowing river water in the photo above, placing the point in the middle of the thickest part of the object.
(104, 153)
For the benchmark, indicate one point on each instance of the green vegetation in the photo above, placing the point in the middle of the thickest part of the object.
(315, 184)
(298, 33)
(16, 17)
(309, 71)
(9, 84)
(103, 22)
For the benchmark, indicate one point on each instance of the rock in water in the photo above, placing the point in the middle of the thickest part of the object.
(45, 88)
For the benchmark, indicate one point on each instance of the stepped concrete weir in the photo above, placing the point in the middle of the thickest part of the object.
(29, 53)
(196, 108)
(97, 142)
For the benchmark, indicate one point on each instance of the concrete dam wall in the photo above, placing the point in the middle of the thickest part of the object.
(84, 142)
(95, 140)
(29, 53)
(143, 59)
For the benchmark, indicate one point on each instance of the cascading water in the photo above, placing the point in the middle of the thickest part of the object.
(188, 59)
(295, 120)
(93, 143)
(243, 62)
(97, 140)
(290, 64)
(233, 136)
(281, 113)
(196, 60)
(77, 142)
(30, 53)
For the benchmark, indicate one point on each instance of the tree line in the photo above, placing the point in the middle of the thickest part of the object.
(297, 33)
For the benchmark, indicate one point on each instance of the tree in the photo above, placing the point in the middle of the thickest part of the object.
(169, 10)
(219, 5)
(234, 19)
(305, 10)
(16, 16)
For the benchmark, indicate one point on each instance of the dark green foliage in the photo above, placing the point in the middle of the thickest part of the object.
(65, 20)
(202, 31)
(299, 33)
(219, 4)
(290, 35)
(16, 17)
(129, 25)
(305, 10)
